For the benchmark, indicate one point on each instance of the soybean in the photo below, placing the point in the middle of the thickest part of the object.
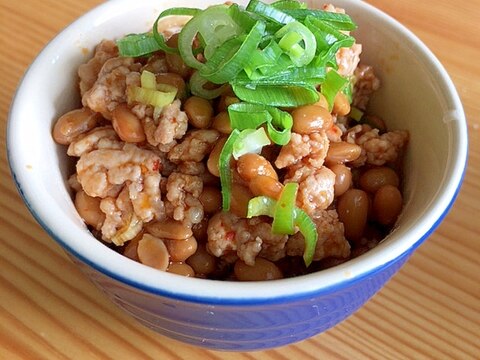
(266, 186)
(252, 165)
(343, 178)
(221, 123)
(202, 262)
(74, 123)
(341, 105)
(181, 250)
(181, 268)
(169, 229)
(211, 199)
(374, 178)
(199, 112)
(212, 162)
(240, 196)
(127, 125)
(174, 80)
(263, 269)
(174, 61)
(153, 252)
(88, 208)
(342, 152)
(352, 208)
(311, 118)
(387, 204)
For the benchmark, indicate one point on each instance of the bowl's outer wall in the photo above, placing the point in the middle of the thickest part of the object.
(244, 327)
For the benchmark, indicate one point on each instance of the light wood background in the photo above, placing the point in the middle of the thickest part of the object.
(430, 310)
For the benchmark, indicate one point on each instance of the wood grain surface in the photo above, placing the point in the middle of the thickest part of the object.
(429, 310)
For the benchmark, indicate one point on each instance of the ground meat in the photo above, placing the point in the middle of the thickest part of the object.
(332, 8)
(104, 172)
(248, 237)
(315, 187)
(109, 89)
(331, 240)
(221, 232)
(366, 83)
(141, 110)
(101, 170)
(121, 223)
(310, 149)
(171, 125)
(73, 183)
(99, 138)
(195, 146)
(377, 149)
(334, 134)
(348, 59)
(156, 64)
(183, 192)
(199, 169)
(88, 72)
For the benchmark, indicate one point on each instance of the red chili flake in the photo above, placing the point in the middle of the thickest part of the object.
(230, 235)
(156, 165)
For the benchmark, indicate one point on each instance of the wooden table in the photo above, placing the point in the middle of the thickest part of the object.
(431, 309)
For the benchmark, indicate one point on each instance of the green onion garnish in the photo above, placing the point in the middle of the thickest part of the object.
(250, 141)
(272, 55)
(265, 206)
(283, 218)
(251, 116)
(224, 168)
(137, 45)
(356, 114)
(332, 85)
(173, 11)
(309, 231)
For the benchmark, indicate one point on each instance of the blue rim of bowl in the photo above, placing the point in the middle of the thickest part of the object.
(214, 300)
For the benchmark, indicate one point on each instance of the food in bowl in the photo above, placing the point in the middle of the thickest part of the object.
(235, 149)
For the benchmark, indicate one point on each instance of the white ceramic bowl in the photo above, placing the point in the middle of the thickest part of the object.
(417, 94)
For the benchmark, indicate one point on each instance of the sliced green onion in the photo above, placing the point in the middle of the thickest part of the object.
(224, 168)
(340, 21)
(309, 231)
(150, 96)
(135, 45)
(290, 36)
(248, 116)
(288, 5)
(166, 88)
(283, 219)
(197, 87)
(265, 206)
(277, 95)
(332, 85)
(261, 206)
(356, 114)
(173, 11)
(348, 90)
(279, 129)
(269, 12)
(328, 56)
(250, 141)
(223, 67)
(215, 27)
(325, 34)
(246, 20)
(267, 57)
(148, 80)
